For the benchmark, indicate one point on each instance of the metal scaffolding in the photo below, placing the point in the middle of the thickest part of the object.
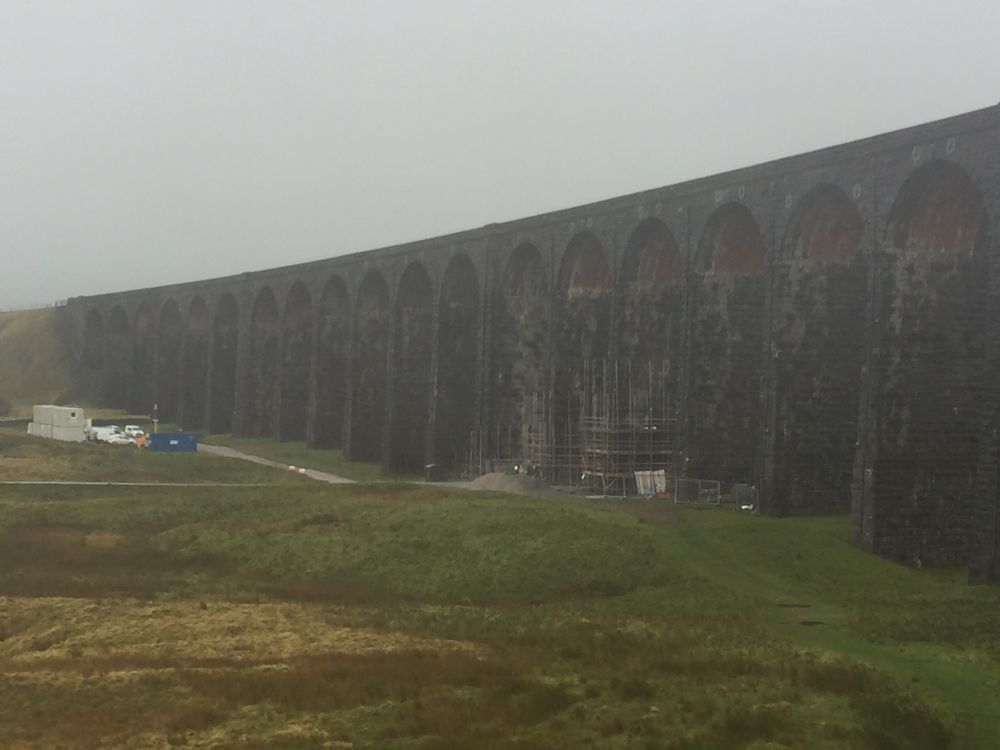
(613, 418)
(626, 425)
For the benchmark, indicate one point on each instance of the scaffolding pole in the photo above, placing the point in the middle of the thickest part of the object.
(617, 419)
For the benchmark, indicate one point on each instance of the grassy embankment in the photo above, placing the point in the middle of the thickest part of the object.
(401, 616)
(33, 459)
(33, 363)
(295, 453)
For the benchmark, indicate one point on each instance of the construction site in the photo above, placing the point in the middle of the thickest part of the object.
(610, 433)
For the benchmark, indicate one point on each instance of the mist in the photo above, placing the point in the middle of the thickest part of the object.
(148, 143)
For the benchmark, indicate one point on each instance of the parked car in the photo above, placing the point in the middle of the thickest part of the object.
(134, 430)
(120, 438)
(104, 434)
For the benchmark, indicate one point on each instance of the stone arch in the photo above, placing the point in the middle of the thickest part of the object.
(170, 349)
(933, 321)
(333, 321)
(731, 242)
(411, 372)
(225, 345)
(649, 324)
(195, 367)
(938, 212)
(525, 274)
(725, 350)
(143, 362)
(458, 360)
(368, 370)
(820, 296)
(584, 268)
(118, 360)
(520, 350)
(582, 338)
(651, 258)
(259, 416)
(296, 363)
(650, 296)
(825, 228)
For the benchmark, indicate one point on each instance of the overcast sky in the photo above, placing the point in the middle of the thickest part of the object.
(147, 143)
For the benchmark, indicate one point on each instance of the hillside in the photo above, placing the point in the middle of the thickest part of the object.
(34, 364)
(396, 615)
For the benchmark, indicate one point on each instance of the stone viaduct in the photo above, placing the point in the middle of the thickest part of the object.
(829, 320)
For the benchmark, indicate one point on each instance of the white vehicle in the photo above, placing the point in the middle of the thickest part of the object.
(120, 438)
(104, 434)
(134, 431)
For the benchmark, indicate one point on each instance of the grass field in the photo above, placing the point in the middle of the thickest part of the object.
(34, 459)
(388, 615)
(295, 453)
(33, 363)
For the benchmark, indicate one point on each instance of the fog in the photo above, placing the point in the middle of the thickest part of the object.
(148, 143)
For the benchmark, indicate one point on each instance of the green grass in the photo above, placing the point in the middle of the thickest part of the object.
(928, 627)
(23, 457)
(34, 365)
(509, 622)
(296, 453)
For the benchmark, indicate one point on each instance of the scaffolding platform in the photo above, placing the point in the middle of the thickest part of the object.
(612, 418)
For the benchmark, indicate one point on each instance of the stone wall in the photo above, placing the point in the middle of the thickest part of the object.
(825, 323)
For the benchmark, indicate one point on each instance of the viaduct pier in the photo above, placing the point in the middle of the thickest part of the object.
(825, 327)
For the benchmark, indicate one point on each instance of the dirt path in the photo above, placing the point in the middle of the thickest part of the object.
(319, 476)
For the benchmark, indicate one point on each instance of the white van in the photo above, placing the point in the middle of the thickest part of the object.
(104, 434)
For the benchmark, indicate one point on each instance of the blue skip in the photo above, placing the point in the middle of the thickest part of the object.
(173, 442)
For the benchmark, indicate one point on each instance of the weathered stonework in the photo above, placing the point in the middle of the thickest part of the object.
(520, 349)
(815, 357)
(827, 323)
